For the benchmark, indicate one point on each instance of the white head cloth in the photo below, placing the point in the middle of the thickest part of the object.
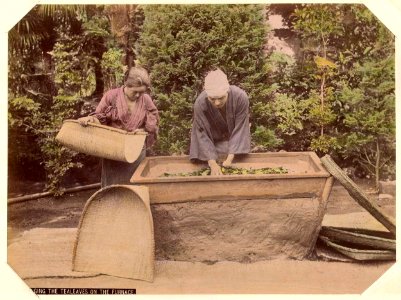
(216, 83)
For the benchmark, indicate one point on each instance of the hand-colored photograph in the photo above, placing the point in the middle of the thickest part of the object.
(195, 149)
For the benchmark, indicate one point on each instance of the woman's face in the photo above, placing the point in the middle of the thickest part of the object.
(134, 92)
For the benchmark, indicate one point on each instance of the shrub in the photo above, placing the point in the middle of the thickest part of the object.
(181, 43)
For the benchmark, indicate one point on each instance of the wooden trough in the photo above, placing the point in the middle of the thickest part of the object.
(236, 217)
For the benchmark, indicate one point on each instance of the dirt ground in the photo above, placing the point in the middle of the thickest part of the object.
(58, 219)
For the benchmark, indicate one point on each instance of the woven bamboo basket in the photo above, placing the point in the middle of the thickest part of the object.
(380, 240)
(359, 254)
(115, 234)
(102, 141)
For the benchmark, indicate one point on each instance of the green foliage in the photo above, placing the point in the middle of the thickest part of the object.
(265, 139)
(319, 25)
(339, 93)
(23, 116)
(74, 70)
(281, 72)
(75, 56)
(336, 97)
(29, 31)
(315, 113)
(113, 73)
(175, 121)
(321, 20)
(369, 98)
(370, 115)
(192, 40)
(21, 111)
(230, 171)
(350, 55)
(28, 95)
(324, 144)
(27, 115)
(289, 114)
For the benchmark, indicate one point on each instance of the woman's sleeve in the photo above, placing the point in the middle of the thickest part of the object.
(152, 116)
(151, 121)
(103, 109)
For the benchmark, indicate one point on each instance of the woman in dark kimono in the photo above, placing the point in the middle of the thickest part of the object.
(129, 108)
(220, 122)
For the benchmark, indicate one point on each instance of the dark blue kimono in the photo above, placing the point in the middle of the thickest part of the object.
(210, 128)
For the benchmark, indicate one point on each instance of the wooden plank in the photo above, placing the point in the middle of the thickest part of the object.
(232, 190)
(45, 194)
(323, 199)
(359, 195)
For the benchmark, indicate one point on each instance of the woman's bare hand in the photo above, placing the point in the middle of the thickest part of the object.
(85, 120)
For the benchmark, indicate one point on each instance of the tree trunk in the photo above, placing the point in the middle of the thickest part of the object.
(99, 90)
(121, 27)
(322, 100)
(322, 85)
(377, 165)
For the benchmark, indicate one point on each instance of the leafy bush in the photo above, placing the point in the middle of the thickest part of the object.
(370, 117)
(348, 80)
(336, 97)
(38, 115)
(181, 43)
(113, 72)
(264, 139)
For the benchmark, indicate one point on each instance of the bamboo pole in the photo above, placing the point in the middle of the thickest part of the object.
(45, 194)
(359, 195)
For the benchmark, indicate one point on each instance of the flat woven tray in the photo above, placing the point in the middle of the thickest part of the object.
(101, 141)
(115, 234)
(358, 254)
(364, 238)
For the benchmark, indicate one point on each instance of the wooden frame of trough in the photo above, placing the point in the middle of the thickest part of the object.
(306, 181)
(241, 218)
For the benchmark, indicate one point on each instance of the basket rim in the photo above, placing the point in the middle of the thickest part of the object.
(122, 131)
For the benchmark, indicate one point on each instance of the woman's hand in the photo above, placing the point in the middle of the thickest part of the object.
(85, 120)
